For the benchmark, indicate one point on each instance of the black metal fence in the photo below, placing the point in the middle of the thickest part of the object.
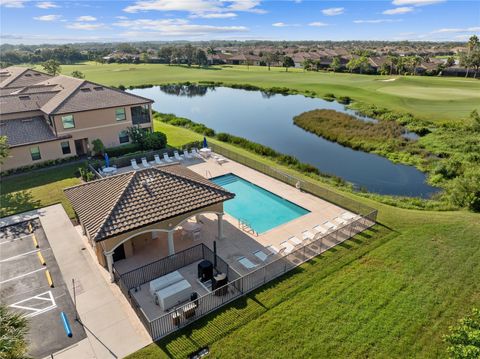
(238, 285)
(151, 271)
(304, 184)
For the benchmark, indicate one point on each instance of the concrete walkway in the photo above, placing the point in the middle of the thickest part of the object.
(113, 329)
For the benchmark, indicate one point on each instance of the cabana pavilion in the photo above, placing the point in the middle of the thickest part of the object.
(115, 211)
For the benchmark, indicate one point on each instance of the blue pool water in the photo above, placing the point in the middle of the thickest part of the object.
(261, 209)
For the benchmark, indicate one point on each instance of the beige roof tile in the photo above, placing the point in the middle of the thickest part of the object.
(128, 201)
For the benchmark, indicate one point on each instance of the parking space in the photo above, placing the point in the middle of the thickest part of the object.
(31, 284)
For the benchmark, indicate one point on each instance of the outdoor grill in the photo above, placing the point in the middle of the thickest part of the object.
(205, 270)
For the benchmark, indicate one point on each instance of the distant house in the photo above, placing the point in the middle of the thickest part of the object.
(52, 117)
(244, 59)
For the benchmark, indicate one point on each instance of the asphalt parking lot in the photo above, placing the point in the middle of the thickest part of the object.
(25, 288)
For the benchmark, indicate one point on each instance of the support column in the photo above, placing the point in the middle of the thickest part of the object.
(220, 225)
(171, 246)
(109, 256)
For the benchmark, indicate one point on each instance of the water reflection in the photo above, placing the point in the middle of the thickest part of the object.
(268, 119)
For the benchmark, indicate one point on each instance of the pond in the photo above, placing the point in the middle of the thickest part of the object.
(268, 119)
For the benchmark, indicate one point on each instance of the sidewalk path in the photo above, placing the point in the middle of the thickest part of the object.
(113, 329)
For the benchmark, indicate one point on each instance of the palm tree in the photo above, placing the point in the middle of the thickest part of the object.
(13, 328)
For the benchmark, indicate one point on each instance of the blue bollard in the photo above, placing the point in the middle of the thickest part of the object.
(66, 325)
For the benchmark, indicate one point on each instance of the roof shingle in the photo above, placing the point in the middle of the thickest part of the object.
(121, 203)
(26, 131)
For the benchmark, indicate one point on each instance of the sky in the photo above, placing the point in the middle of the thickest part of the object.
(36, 22)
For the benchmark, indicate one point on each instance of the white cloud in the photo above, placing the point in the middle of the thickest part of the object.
(48, 17)
(398, 10)
(221, 15)
(46, 5)
(317, 24)
(85, 26)
(416, 2)
(456, 30)
(13, 3)
(375, 21)
(173, 27)
(121, 17)
(282, 24)
(333, 11)
(201, 8)
(86, 18)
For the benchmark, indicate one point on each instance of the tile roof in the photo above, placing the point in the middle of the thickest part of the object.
(16, 76)
(21, 132)
(121, 203)
(58, 94)
(90, 96)
(24, 102)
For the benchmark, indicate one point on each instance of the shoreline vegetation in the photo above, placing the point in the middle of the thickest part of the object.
(384, 137)
(305, 169)
(450, 164)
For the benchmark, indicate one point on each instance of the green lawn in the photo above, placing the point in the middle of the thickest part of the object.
(390, 292)
(433, 98)
(37, 189)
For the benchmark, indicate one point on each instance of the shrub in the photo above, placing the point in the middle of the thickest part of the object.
(155, 141)
(464, 340)
(85, 173)
(122, 150)
(464, 191)
(98, 147)
(345, 100)
(329, 97)
(38, 166)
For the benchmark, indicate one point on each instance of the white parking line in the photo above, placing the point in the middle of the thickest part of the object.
(23, 275)
(43, 297)
(16, 239)
(19, 255)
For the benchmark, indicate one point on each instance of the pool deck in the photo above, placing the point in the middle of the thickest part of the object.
(237, 242)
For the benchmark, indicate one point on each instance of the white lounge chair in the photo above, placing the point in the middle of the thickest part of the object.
(158, 161)
(247, 263)
(166, 158)
(329, 225)
(177, 156)
(319, 229)
(296, 241)
(219, 159)
(287, 247)
(195, 153)
(273, 249)
(134, 164)
(307, 235)
(261, 255)
(187, 155)
(347, 215)
(340, 221)
(145, 163)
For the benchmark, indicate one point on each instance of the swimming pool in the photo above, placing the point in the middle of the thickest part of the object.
(261, 209)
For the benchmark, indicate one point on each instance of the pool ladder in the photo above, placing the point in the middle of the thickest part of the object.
(246, 227)
(208, 174)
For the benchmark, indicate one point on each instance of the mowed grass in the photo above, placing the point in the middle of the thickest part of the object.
(38, 189)
(433, 98)
(391, 292)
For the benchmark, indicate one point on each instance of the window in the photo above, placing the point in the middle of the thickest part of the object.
(140, 114)
(65, 147)
(35, 153)
(120, 114)
(123, 137)
(68, 122)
